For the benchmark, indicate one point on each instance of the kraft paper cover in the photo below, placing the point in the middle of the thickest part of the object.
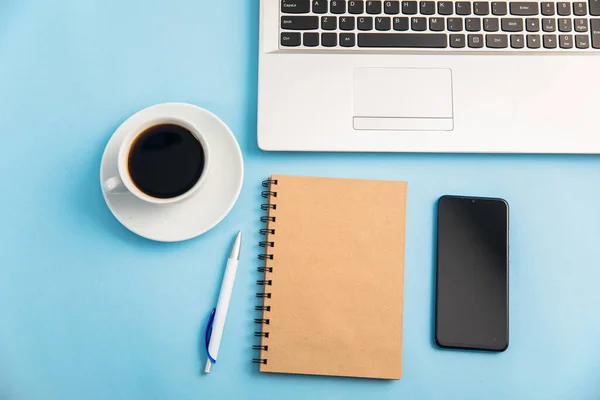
(337, 279)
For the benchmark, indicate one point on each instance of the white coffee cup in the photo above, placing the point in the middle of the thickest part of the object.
(122, 183)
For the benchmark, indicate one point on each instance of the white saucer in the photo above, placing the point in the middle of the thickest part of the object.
(202, 211)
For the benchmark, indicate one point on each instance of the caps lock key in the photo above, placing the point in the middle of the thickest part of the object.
(295, 6)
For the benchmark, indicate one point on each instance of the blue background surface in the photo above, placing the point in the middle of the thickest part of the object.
(88, 310)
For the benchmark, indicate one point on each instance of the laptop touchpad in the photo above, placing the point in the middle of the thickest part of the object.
(400, 99)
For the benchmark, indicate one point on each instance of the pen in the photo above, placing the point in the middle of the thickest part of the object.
(216, 322)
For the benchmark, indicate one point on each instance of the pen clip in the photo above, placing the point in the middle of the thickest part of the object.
(208, 333)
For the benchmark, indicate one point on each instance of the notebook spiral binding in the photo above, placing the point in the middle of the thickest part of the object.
(264, 269)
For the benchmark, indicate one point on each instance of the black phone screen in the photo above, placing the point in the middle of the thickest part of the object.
(472, 273)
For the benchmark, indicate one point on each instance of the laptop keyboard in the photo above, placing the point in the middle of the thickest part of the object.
(572, 26)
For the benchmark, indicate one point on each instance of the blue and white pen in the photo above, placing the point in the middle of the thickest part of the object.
(214, 329)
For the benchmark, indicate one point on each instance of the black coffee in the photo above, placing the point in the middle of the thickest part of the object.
(166, 161)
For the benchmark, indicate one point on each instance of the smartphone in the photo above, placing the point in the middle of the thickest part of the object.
(472, 273)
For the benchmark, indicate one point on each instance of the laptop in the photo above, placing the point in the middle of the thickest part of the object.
(429, 76)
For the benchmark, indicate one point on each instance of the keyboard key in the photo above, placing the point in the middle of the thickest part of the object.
(295, 7)
(524, 8)
(475, 41)
(512, 24)
(383, 23)
(547, 8)
(491, 24)
(481, 8)
(329, 23)
(517, 41)
(356, 7)
(581, 25)
(550, 41)
(533, 41)
(409, 7)
(328, 39)
(310, 39)
(563, 8)
(532, 24)
(373, 7)
(473, 24)
(427, 7)
(565, 25)
(499, 8)
(418, 23)
(319, 7)
(347, 23)
(391, 7)
(347, 40)
(338, 7)
(580, 8)
(582, 41)
(401, 24)
(436, 24)
(595, 25)
(299, 23)
(565, 41)
(463, 8)
(365, 23)
(455, 24)
(548, 24)
(457, 40)
(595, 7)
(290, 39)
(403, 40)
(496, 41)
(446, 7)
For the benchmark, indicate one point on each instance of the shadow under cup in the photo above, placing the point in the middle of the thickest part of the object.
(166, 161)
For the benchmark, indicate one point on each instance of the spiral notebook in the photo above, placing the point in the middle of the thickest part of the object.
(332, 290)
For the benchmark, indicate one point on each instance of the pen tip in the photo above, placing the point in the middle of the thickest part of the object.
(237, 245)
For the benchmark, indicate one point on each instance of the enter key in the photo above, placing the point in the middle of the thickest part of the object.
(595, 32)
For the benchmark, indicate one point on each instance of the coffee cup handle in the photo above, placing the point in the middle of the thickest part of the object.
(114, 185)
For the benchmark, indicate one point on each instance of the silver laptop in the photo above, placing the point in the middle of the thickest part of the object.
(429, 76)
